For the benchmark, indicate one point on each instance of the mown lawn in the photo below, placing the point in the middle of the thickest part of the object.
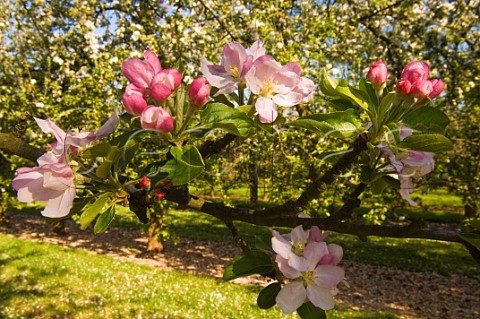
(41, 280)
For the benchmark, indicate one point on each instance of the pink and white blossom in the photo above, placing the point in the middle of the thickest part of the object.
(313, 277)
(52, 182)
(236, 62)
(408, 164)
(156, 118)
(66, 141)
(437, 88)
(275, 84)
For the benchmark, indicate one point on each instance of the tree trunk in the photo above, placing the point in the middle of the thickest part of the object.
(154, 230)
(253, 183)
(470, 210)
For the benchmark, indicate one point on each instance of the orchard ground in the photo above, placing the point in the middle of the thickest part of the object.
(47, 275)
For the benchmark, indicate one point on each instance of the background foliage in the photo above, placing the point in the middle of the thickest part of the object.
(62, 59)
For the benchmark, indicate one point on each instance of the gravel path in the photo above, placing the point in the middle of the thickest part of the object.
(408, 294)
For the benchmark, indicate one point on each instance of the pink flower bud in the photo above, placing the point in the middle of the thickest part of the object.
(199, 91)
(403, 87)
(156, 118)
(144, 182)
(133, 100)
(437, 87)
(421, 89)
(378, 73)
(164, 83)
(415, 71)
(139, 72)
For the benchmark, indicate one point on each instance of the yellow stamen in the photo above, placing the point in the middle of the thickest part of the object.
(267, 88)
(234, 72)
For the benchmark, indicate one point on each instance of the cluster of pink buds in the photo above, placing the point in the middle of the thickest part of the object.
(149, 85)
(310, 265)
(415, 82)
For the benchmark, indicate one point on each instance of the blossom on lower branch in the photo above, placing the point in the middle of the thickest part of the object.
(310, 266)
(52, 182)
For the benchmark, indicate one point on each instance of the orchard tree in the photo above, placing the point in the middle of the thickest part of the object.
(391, 133)
(381, 126)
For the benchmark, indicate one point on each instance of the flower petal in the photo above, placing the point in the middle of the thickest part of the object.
(328, 276)
(267, 112)
(291, 297)
(320, 297)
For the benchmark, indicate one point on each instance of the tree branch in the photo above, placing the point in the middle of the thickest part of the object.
(16, 146)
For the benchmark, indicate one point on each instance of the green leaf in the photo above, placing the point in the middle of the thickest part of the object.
(251, 262)
(266, 297)
(427, 119)
(186, 165)
(341, 104)
(385, 104)
(93, 210)
(353, 95)
(392, 182)
(104, 220)
(427, 142)
(329, 85)
(378, 186)
(338, 124)
(97, 150)
(369, 91)
(221, 116)
(309, 311)
(368, 174)
(472, 238)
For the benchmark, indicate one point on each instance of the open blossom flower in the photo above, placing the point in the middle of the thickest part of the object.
(316, 276)
(408, 165)
(236, 62)
(52, 182)
(156, 118)
(277, 85)
(72, 142)
(378, 73)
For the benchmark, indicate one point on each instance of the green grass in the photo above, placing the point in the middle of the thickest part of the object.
(41, 280)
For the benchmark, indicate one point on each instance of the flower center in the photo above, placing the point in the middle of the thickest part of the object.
(234, 72)
(267, 88)
(298, 247)
(308, 277)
